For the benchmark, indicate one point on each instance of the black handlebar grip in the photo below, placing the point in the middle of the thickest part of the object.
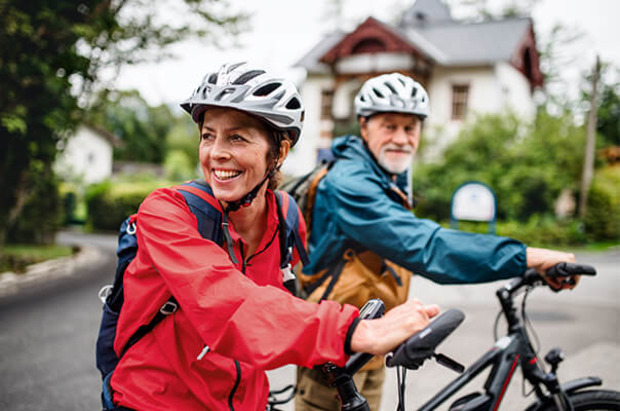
(568, 269)
(422, 344)
(372, 309)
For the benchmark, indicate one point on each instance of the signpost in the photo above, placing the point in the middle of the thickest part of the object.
(473, 201)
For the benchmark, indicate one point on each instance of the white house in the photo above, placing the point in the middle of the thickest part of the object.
(87, 155)
(467, 68)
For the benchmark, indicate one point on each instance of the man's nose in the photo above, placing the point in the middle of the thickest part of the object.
(400, 137)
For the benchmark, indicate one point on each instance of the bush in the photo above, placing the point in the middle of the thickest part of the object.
(537, 231)
(109, 204)
(42, 215)
(602, 220)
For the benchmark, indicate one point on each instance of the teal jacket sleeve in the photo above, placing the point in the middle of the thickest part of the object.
(366, 215)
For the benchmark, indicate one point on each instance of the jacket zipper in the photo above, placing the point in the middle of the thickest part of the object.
(243, 262)
(237, 382)
(237, 365)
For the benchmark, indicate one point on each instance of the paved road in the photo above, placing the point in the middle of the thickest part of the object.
(47, 339)
(48, 333)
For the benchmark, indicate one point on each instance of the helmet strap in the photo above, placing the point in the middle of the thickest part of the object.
(247, 199)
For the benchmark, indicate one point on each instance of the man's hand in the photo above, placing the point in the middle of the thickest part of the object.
(542, 259)
(382, 335)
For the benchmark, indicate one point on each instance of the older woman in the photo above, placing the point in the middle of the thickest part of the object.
(235, 318)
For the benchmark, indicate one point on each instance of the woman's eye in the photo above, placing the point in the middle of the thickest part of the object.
(206, 136)
(237, 138)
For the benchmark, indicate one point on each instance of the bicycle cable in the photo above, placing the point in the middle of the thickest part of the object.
(535, 347)
(401, 374)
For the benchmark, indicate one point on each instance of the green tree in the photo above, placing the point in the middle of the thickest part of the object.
(526, 165)
(141, 128)
(608, 125)
(52, 56)
(608, 104)
(182, 141)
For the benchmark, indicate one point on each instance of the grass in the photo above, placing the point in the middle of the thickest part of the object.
(17, 257)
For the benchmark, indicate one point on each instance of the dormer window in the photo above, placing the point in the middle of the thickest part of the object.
(368, 45)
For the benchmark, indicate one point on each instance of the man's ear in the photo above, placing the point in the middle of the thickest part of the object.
(364, 128)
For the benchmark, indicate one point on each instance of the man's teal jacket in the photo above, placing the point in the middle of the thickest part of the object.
(355, 208)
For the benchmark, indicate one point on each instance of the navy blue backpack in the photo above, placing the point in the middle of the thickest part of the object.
(205, 207)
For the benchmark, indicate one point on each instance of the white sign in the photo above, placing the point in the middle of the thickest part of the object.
(473, 202)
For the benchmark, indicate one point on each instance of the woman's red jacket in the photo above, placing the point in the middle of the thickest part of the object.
(241, 312)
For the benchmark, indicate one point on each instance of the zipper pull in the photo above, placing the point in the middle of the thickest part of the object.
(204, 352)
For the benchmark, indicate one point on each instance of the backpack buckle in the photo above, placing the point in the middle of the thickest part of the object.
(131, 228)
(104, 293)
(168, 308)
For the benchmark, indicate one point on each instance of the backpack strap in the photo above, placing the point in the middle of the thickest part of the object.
(167, 309)
(208, 211)
(312, 196)
(288, 214)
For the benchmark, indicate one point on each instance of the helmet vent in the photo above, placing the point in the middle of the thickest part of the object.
(391, 87)
(414, 92)
(293, 104)
(224, 93)
(212, 78)
(378, 93)
(245, 77)
(266, 89)
(231, 67)
(206, 89)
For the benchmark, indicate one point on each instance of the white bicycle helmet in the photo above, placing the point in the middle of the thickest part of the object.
(391, 93)
(249, 89)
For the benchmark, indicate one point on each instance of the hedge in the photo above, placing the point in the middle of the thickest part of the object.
(110, 203)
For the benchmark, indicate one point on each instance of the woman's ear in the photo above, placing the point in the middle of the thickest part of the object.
(285, 147)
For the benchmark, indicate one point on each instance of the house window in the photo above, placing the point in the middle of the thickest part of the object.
(327, 99)
(460, 94)
(368, 46)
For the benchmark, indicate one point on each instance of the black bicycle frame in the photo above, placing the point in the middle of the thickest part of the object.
(510, 351)
(503, 357)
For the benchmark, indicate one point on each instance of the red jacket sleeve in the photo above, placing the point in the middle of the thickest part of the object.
(235, 317)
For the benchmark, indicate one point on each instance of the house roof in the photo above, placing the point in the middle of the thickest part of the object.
(312, 60)
(425, 12)
(428, 28)
(105, 134)
(472, 43)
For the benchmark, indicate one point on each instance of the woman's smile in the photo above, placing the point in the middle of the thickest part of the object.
(226, 175)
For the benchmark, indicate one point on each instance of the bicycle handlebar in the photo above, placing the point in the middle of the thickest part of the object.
(532, 277)
(568, 269)
(421, 346)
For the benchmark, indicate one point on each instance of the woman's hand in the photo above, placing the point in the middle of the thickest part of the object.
(382, 335)
(542, 259)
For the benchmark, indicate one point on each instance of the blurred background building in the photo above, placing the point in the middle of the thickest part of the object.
(483, 67)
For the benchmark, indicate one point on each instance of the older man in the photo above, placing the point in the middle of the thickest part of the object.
(365, 241)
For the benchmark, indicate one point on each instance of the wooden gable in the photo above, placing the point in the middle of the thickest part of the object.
(370, 37)
(527, 60)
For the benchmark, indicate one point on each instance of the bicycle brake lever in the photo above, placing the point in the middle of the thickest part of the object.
(449, 362)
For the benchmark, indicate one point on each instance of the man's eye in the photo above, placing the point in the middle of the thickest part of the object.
(206, 136)
(237, 137)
